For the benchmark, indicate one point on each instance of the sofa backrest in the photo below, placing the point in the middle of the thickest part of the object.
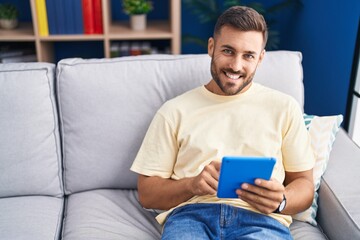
(106, 105)
(30, 156)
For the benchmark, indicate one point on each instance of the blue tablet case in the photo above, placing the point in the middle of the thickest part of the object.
(238, 170)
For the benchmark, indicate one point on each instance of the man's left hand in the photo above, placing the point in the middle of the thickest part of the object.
(265, 196)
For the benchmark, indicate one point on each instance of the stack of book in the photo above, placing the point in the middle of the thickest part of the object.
(69, 17)
(135, 48)
(8, 54)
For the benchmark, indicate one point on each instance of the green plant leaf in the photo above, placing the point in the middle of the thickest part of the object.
(133, 7)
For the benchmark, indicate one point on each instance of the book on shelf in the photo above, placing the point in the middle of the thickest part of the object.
(42, 17)
(17, 53)
(52, 16)
(65, 16)
(69, 17)
(78, 16)
(88, 16)
(61, 15)
(97, 9)
(17, 59)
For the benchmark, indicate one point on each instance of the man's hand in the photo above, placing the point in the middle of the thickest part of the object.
(165, 193)
(207, 181)
(265, 196)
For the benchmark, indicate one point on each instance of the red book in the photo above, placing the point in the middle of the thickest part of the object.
(98, 24)
(88, 16)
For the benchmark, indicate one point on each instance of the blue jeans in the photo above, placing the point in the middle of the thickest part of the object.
(220, 221)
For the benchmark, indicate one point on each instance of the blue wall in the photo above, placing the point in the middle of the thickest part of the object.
(325, 32)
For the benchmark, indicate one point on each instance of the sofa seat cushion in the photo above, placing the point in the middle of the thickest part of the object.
(30, 158)
(305, 231)
(31, 217)
(108, 214)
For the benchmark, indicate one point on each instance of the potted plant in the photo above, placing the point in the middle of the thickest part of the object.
(137, 10)
(8, 16)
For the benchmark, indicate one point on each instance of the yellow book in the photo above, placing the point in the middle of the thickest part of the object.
(42, 18)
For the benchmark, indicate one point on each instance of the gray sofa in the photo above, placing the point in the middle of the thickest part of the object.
(69, 133)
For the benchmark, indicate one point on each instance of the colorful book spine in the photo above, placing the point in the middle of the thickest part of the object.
(42, 18)
(88, 16)
(60, 16)
(51, 14)
(78, 16)
(69, 19)
(98, 24)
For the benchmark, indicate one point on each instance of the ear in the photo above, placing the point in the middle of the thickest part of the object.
(211, 46)
(262, 54)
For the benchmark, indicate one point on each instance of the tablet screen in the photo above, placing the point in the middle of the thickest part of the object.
(238, 170)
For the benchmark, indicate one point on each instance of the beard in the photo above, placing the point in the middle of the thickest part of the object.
(230, 88)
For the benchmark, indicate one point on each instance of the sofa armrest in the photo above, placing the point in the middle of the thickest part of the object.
(339, 193)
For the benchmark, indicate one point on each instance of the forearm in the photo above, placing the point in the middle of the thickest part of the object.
(161, 193)
(299, 195)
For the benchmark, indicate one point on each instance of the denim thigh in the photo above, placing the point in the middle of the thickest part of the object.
(220, 221)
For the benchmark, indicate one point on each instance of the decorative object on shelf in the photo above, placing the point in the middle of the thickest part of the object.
(8, 16)
(137, 10)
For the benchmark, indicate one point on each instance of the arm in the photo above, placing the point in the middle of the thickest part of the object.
(161, 193)
(267, 195)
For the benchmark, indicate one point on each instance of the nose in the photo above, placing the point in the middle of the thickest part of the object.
(237, 63)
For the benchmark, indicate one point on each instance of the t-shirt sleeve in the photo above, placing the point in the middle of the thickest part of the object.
(296, 147)
(158, 151)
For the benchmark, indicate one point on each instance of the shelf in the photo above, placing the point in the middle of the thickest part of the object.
(154, 30)
(24, 32)
(114, 30)
(73, 37)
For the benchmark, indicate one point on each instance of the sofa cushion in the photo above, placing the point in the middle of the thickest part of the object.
(106, 106)
(322, 131)
(31, 217)
(108, 214)
(282, 70)
(30, 161)
(338, 194)
(304, 231)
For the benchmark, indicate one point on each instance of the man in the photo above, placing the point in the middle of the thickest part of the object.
(180, 158)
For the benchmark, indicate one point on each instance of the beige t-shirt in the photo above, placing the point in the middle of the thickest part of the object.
(198, 127)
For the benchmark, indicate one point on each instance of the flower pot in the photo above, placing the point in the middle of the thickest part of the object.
(138, 22)
(8, 23)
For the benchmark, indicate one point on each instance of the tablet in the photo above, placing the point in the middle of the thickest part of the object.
(238, 170)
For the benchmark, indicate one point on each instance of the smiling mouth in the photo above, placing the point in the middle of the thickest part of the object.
(233, 76)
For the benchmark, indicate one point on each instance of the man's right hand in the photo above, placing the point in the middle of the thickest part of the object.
(164, 193)
(206, 183)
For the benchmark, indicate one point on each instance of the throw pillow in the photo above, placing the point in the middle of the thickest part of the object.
(322, 132)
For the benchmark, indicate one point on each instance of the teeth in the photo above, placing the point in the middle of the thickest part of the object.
(232, 76)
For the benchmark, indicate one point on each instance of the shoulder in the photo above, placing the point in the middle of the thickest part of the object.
(275, 97)
(183, 101)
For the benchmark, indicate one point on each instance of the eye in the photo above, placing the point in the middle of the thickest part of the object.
(227, 51)
(249, 56)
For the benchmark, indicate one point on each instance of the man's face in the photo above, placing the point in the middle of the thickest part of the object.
(235, 56)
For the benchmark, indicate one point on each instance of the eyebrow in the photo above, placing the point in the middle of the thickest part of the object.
(230, 47)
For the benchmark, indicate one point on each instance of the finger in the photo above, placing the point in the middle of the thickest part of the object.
(272, 184)
(212, 169)
(211, 180)
(204, 189)
(256, 190)
(216, 164)
(263, 204)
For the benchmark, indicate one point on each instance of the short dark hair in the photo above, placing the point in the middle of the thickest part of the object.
(244, 19)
